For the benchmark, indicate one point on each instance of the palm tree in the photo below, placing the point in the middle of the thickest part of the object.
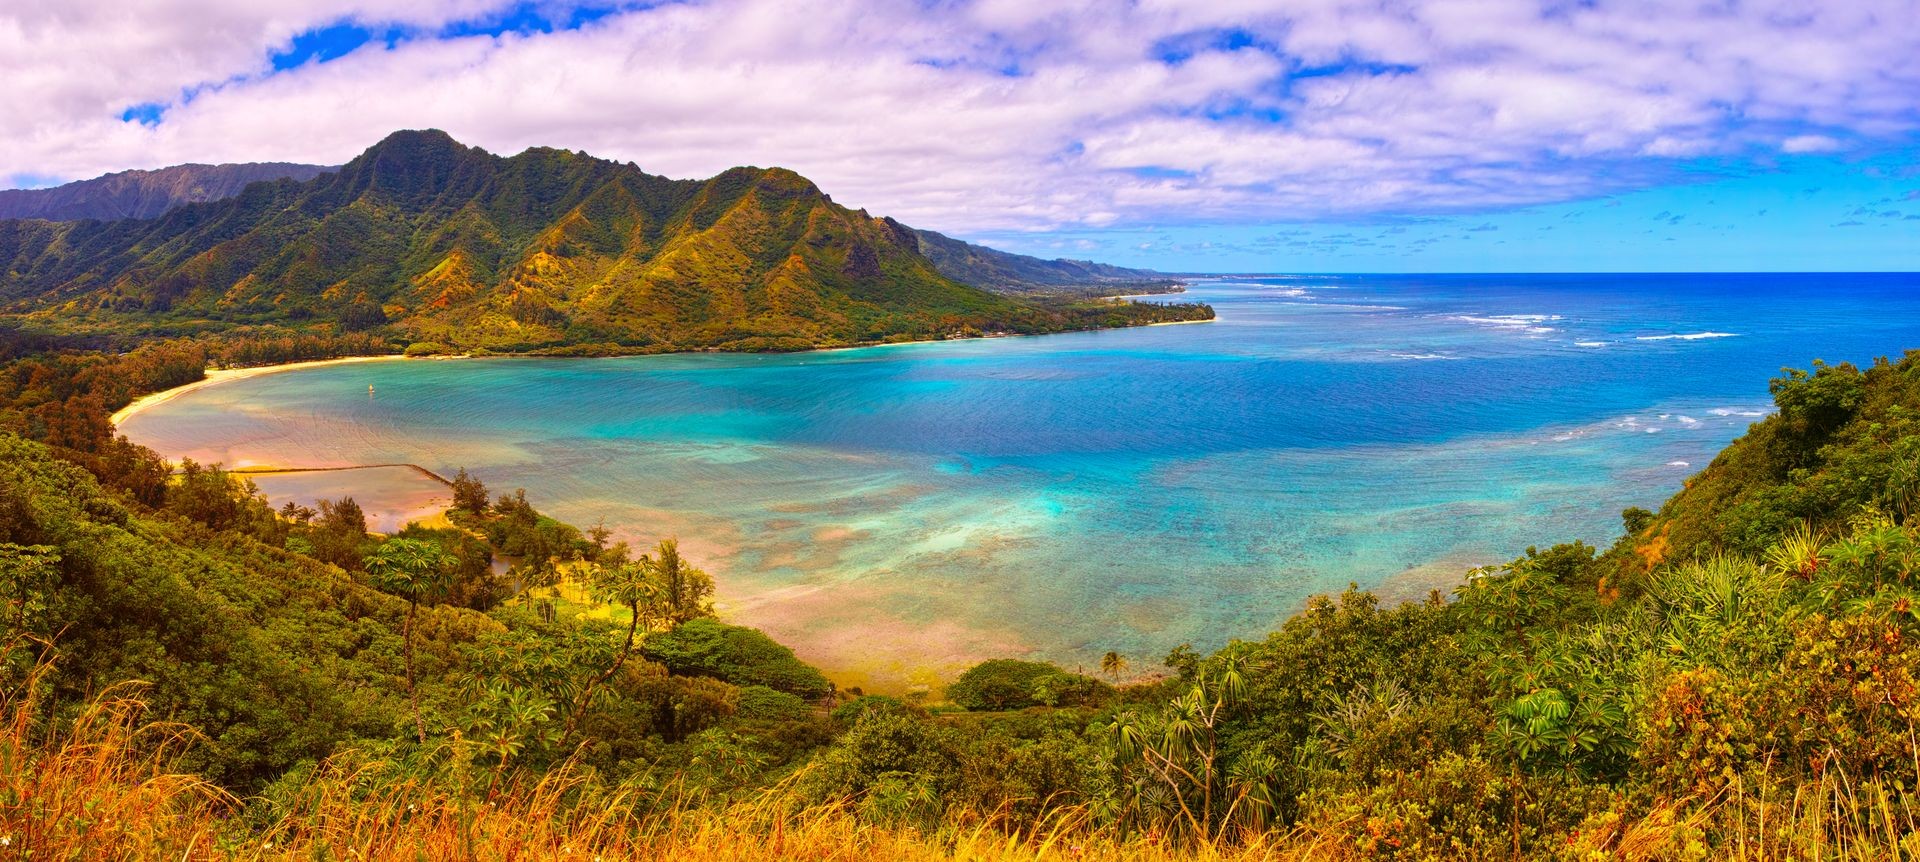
(415, 569)
(686, 592)
(1112, 664)
(1175, 754)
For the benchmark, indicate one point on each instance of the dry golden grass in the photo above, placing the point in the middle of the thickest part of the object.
(101, 788)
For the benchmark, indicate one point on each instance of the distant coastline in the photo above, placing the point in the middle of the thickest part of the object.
(216, 376)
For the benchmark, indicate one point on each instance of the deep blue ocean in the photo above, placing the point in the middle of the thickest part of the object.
(895, 512)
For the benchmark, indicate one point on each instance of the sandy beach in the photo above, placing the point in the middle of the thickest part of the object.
(217, 376)
(1181, 322)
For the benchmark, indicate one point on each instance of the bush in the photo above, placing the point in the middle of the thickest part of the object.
(760, 703)
(1454, 807)
(1699, 732)
(1005, 683)
(851, 711)
(878, 754)
(736, 654)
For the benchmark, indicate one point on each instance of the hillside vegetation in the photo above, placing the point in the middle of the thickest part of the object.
(451, 248)
(148, 194)
(1736, 677)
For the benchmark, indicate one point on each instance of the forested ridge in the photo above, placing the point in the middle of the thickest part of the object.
(1734, 677)
(447, 248)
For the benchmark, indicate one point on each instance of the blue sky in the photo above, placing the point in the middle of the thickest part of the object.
(1805, 214)
(1233, 135)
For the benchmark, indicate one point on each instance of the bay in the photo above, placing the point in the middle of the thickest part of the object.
(898, 512)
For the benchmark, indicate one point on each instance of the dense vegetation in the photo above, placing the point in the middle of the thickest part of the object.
(454, 249)
(1736, 677)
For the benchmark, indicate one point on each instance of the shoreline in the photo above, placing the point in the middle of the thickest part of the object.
(277, 470)
(1178, 322)
(855, 666)
(216, 376)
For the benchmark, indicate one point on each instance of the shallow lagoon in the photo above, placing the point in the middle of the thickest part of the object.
(897, 512)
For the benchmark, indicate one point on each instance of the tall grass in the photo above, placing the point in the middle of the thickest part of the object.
(100, 787)
(1831, 819)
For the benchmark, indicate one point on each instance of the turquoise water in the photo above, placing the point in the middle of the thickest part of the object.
(897, 511)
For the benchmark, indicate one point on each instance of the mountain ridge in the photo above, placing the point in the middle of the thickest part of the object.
(1006, 272)
(147, 194)
(546, 250)
(144, 194)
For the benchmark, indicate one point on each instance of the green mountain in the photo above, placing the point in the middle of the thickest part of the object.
(150, 194)
(1002, 272)
(434, 241)
(145, 194)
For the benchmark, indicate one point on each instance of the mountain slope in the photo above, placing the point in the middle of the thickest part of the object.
(145, 194)
(150, 194)
(544, 250)
(1002, 272)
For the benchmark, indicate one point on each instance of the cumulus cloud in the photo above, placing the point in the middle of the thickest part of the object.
(975, 115)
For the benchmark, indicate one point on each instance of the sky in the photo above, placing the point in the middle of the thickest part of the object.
(1184, 135)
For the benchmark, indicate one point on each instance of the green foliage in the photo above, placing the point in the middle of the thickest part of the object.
(272, 658)
(336, 533)
(1005, 683)
(28, 576)
(1018, 274)
(1843, 439)
(471, 580)
(469, 493)
(760, 703)
(902, 764)
(851, 711)
(1070, 689)
(736, 654)
(1173, 771)
(680, 593)
(414, 569)
(1451, 805)
(221, 501)
(516, 529)
(1820, 401)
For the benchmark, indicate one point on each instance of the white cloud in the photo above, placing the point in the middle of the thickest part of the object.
(1809, 144)
(997, 114)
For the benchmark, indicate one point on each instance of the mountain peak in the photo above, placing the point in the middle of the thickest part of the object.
(417, 147)
(416, 165)
(417, 141)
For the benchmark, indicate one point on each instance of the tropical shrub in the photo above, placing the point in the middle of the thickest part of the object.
(736, 654)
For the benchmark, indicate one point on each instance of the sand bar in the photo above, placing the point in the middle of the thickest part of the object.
(223, 375)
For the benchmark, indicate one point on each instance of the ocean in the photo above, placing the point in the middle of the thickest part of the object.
(895, 513)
